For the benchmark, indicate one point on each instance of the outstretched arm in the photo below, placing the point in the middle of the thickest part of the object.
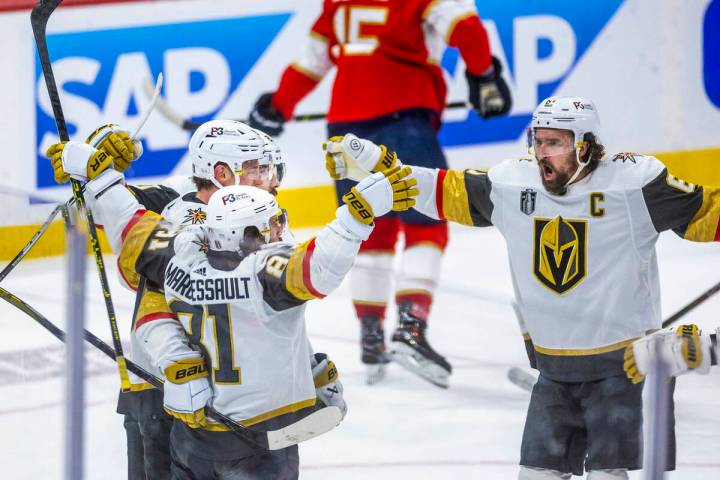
(461, 197)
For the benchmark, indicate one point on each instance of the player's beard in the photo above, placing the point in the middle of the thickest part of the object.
(553, 177)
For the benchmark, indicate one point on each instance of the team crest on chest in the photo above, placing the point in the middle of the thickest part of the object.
(194, 216)
(527, 201)
(560, 252)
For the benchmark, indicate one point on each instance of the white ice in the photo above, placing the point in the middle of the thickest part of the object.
(403, 428)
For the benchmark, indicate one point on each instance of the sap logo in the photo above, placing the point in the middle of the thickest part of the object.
(100, 74)
(711, 53)
(540, 43)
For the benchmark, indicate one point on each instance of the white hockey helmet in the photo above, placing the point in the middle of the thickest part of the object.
(576, 114)
(233, 143)
(231, 210)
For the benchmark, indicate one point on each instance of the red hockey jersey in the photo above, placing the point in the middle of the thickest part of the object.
(387, 54)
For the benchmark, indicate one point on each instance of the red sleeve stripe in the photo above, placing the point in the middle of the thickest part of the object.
(154, 316)
(306, 270)
(135, 218)
(439, 194)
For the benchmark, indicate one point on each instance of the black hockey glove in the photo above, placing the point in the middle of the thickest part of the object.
(489, 94)
(264, 116)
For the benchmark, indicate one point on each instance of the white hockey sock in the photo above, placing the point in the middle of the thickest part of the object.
(533, 473)
(615, 474)
(420, 268)
(371, 278)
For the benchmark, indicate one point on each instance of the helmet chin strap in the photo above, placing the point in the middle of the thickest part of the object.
(216, 183)
(581, 167)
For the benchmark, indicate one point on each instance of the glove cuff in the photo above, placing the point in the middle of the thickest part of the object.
(75, 156)
(357, 229)
(388, 159)
(185, 370)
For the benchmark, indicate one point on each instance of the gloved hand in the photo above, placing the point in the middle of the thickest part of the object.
(116, 142)
(264, 116)
(187, 389)
(327, 382)
(77, 160)
(682, 348)
(355, 158)
(489, 94)
(381, 192)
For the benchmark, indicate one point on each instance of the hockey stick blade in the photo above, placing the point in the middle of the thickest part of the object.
(521, 378)
(315, 424)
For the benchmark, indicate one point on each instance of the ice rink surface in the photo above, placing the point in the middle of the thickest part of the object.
(403, 428)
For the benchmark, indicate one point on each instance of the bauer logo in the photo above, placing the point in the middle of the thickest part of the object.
(541, 43)
(100, 74)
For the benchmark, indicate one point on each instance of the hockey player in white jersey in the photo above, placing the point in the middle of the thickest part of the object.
(222, 152)
(244, 307)
(580, 228)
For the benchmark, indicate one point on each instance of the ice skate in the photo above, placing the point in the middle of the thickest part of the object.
(373, 349)
(411, 349)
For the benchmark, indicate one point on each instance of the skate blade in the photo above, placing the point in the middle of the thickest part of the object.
(411, 360)
(523, 379)
(374, 374)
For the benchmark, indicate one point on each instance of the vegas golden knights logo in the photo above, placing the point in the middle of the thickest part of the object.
(560, 253)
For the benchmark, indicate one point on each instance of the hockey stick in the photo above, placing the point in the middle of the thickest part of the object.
(153, 102)
(174, 117)
(526, 380)
(318, 422)
(38, 19)
(13, 263)
(691, 306)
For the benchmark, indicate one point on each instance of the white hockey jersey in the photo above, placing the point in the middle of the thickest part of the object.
(249, 320)
(583, 264)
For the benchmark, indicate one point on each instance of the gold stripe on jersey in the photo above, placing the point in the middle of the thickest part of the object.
(562, 352)
(133, 244)
(152, 302)
(140, 387)
(294, 278)
(455, 204)
(293, 407)
(704, 225)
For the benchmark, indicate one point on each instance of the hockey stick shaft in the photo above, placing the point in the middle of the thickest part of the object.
(176, 118)
(153, 102)
(39, 18)
(35, 238)
(258, 438)
(691, 306)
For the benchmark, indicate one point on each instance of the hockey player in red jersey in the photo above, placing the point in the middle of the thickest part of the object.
(388, 53)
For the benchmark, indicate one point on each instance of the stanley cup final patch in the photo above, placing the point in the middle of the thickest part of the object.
(527, 201)
(560, 252)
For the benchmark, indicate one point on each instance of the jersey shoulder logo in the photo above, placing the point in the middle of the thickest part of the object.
(560, 253)
(625, 157)
(194, 216)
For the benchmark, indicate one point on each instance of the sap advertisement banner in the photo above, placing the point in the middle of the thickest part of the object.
(652, 68)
